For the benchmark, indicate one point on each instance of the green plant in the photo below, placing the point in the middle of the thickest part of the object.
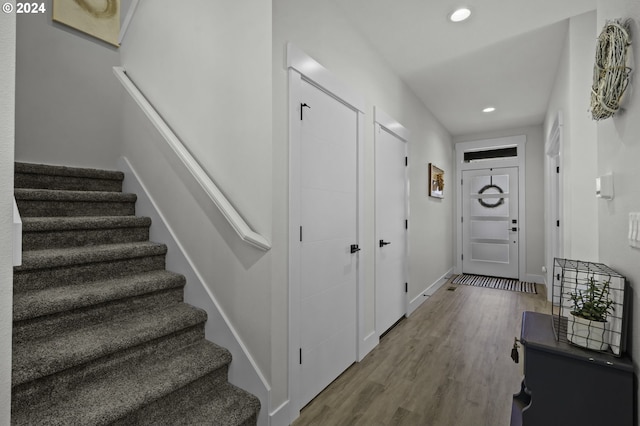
(593, 303)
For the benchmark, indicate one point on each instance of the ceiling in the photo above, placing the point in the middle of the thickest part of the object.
(506, 55)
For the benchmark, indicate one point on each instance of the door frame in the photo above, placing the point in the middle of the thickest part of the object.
(301, 67)
(384, 122)
(519, 142)
(554, 193)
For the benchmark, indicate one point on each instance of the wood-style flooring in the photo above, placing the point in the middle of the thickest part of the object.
(448, 364)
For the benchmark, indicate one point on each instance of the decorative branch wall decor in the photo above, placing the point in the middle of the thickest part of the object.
(436, 181)
(98, 18)
(610, 71)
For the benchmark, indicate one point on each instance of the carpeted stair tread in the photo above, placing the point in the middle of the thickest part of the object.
(63, 195)
(114, 396)
(59, 232)
(43, 357)
(47, 202)
(54, 258)
(226, 405)
(48, 301)
(42, 224)
(47, 169)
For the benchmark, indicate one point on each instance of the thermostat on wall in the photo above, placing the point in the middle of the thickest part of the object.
(604, 186)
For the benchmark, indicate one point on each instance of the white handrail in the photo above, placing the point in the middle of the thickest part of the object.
(17, 235)
(229, 212)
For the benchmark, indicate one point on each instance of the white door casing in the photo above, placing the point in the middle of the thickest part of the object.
(519, 161)
(553, 211)
(490, 222)
(391, 221)
(325, 282)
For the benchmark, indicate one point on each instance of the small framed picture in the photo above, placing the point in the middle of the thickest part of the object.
(436, 181)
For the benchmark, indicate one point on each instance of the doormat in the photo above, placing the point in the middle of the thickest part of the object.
(498, 283)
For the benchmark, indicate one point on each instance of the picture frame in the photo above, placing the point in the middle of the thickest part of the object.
(97, 18)
(436, 181)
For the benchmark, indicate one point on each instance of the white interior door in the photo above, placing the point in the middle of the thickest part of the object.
(391, 233)
(490, 227)
(328, 211)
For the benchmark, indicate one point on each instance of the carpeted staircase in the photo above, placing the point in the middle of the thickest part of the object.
(101, 334)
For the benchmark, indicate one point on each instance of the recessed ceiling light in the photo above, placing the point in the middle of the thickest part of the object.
(489, 109)
(460, 14)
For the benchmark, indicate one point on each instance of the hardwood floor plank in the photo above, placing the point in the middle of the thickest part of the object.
(447, 364)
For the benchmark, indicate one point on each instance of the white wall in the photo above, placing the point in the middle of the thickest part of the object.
(7, 110)
(534, 189)
(320, 30)
(619, 152)
(579, 152)
(206, 68)
(66, 95)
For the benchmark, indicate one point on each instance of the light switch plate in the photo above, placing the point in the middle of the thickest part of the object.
(634, 229)
(604, 186)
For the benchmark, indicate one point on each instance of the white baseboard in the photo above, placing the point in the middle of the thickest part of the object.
(533, 278)
(428, 292)
(539, 279)
(367, 345)
(280, 416)
(243, 370)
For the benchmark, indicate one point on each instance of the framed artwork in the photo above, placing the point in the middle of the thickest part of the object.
(98, 18)
(436, 181)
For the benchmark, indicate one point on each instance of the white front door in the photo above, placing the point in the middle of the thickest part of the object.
(490, 226)
(328, 228)
(391, 233)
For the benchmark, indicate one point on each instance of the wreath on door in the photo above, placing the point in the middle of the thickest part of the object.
(490, 205)
(610, 71)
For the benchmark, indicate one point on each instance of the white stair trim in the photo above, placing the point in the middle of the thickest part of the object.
(17, 235)
(243, 370)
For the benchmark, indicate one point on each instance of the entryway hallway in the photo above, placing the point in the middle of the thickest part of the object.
(448, 364)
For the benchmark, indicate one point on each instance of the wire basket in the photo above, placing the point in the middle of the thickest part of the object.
(577, 282)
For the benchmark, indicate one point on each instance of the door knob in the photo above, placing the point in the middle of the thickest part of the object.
(354, 248)
(384, 243)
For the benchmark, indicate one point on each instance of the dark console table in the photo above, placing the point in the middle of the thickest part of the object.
(565, 385)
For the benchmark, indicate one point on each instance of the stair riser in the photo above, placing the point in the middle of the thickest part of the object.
(74, 274)
(75, 319)
(163, 411)
(37, 391)
(76, 238)
(66, 183)
(51, 208)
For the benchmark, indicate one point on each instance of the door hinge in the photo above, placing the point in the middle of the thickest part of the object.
(462, 257)
(558, 277)
(302, 106)
(301, 234)
(300, 356)
(406, 161)
(557, 223)
(406, 224)
(557, 169)
(406, 287)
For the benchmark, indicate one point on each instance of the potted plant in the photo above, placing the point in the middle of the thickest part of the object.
(587, 326)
